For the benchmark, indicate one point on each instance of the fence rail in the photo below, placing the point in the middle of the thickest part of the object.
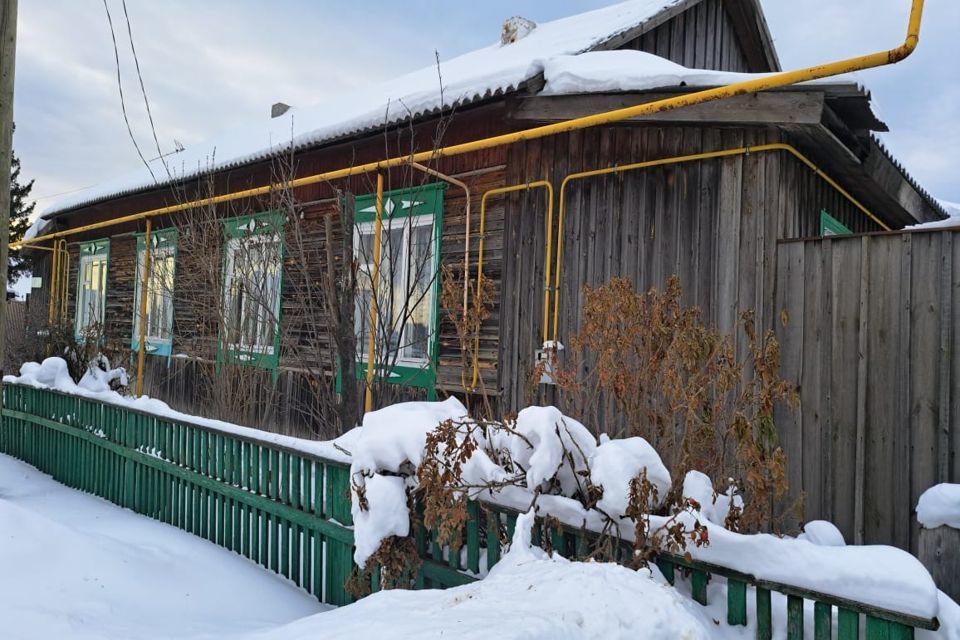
(289, 511)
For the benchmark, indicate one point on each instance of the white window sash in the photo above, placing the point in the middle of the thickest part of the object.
(260, 336)
(91, 299)
(403, 273)
(159, 295)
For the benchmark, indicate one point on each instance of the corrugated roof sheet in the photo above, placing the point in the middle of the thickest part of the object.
(484, 73)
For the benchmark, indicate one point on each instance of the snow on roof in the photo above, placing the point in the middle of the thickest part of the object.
(491, 71)
(629, 70)
(952, 210)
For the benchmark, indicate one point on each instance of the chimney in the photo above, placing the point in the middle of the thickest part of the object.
(514, 29)
(278, 109)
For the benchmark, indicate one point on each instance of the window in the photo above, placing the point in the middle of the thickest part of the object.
(91, 287)
(253, 270)
(159, 325)
(407, 283)
(830, 226)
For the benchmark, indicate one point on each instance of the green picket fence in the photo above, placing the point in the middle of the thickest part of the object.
(281, 508)
(289, 511)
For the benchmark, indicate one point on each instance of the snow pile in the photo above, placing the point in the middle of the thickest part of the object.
(823, 533)
(953, 219)
(939, 506)
(100, 377)
(629, 70)
(490, 71)
(78, 567)
(528, 596)
(38, 227)
(395, 435)
(615, 460)
(545, 436)
(559, 457)
(53, 374)
(386, 514)
(713, 506)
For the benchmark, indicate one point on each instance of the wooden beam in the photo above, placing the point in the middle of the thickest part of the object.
(793, 108)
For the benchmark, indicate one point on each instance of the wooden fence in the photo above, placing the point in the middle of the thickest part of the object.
(868, 328)
(289, 511)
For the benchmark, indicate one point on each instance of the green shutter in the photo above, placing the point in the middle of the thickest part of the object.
(403, 203)
(159, 239)
(830, 226)
(268, 222)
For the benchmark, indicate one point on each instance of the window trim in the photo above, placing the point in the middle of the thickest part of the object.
(161, 239)
(831, 227)
(238, 228)
(420, 374)
(87, 252)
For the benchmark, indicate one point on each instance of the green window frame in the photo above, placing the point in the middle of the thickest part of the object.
(163, 259)
(252, 290)
(409, 216)
(92, 267)
(830, 226)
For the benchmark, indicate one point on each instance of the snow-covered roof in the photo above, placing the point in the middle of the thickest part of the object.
(630, 70)
(953, 220)
(491, 71)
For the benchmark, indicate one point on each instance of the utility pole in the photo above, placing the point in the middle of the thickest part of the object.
(8, 53)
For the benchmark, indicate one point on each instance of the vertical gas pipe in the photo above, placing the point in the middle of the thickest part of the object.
(144, 292)
(375, 276)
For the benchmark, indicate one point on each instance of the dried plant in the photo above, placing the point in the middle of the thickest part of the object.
(643, 364)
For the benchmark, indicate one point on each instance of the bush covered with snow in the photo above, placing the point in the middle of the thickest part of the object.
(546, 462)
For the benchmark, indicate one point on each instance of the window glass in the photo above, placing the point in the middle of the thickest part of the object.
(91, 287)
(405, 298)
(159, 325)
(252, 278)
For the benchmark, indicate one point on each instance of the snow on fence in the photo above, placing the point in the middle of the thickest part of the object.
(289, 510)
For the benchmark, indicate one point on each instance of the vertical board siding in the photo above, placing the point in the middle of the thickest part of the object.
(715, 223)
(701, 37)
(871, 332)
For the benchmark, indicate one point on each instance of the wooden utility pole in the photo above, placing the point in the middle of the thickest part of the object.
(8, 53)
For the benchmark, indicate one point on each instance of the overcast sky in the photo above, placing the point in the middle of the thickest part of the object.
(211, 64)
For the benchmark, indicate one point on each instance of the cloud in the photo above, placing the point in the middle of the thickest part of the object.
(212, 65)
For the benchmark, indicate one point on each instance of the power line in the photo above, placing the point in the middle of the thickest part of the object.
(143, 89)
(123, 104)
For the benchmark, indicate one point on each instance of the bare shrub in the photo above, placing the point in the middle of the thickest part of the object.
(645, 365)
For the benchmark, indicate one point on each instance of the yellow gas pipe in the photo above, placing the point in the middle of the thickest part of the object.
(144, 293)
(545, 184)
(466, 241)
(63, 283)
(371, 340)
(59, 274)
(756, 85)
(773, 81)
(725, 153)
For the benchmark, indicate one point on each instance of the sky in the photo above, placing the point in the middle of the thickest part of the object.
(208, 65)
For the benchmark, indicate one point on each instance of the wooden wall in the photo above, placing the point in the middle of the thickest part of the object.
(715, 223)
(702, 37)
(871, 338)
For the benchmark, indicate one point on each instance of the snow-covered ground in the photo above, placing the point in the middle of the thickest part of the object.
(75, 566)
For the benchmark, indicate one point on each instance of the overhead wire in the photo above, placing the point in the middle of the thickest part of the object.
(143, 90)
(123, 104)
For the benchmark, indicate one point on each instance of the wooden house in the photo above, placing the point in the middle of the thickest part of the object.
(731, 179)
